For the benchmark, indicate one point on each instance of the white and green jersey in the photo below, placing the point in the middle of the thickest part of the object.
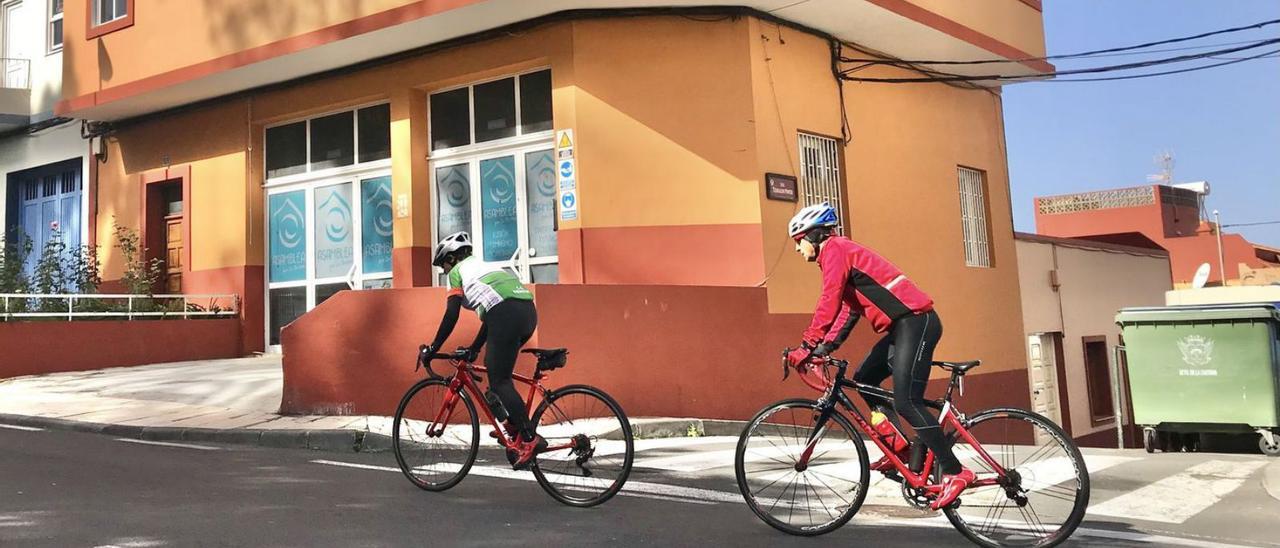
(483, 286)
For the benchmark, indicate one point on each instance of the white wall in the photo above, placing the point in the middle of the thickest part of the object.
(25, 151)
(46, 69)
(1094, 284)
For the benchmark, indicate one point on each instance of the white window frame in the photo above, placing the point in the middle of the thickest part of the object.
(472, 154)
(825, 184)
(53, 48)
(973, 217)
(97, 13)
(309, 181)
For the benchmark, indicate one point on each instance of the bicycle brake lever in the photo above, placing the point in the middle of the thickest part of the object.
(786, 367)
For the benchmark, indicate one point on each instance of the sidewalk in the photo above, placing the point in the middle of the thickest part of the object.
(224, 401)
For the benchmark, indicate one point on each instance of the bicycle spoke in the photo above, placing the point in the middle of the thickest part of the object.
(833, 491)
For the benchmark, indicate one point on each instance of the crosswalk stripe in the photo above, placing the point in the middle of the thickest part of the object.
(22, 428)
(1179, 497)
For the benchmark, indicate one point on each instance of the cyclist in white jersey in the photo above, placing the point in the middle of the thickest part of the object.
(508, 319)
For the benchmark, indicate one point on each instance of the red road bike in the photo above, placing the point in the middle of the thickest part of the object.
(803, 467)
(436, 431)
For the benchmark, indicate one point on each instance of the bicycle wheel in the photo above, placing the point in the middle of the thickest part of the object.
(1043, 498)
(435, 453)
(594, 469)
(811, 500)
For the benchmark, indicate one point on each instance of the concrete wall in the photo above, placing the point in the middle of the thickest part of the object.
(1223, 295)
(35, 348)
(1094, 285)
(712, 352)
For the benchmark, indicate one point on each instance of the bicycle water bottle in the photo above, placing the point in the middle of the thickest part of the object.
(495, 405)
(888, 432)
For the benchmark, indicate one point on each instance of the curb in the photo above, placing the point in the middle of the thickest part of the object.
(346, 441)
(1271, 479)
(649, 428)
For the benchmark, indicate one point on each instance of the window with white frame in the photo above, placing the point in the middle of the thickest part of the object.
(55, 26)
(106, 11)
(329, 210)
(819, 170)
(973, 216)
(494, 171)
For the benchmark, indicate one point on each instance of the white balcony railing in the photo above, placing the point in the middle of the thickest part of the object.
(17, 73)
(19, 306)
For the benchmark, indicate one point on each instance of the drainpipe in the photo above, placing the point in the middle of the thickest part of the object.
(1217, 227)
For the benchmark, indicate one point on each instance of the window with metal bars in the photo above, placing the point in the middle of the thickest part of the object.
(973, 217)
(820, 170)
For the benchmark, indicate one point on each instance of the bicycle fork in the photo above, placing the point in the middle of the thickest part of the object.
(826, 407)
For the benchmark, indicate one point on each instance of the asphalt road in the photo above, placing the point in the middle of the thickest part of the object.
(72, 489)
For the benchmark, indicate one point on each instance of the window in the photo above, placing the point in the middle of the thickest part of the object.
(819, 170)
(973, 217)
(490, 111)
(106, 11)
(331, 141)
(55, 26)
(1097, 370)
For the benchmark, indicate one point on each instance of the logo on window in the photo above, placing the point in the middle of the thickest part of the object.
(544, 176)
(500, 181)
(457, 192)
(289, 219)
(337, 217)
(382, 210)
(1196, 350)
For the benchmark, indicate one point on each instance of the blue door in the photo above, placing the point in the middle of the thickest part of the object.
(48, 206)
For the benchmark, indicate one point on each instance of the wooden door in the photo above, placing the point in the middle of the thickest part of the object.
(173, 255)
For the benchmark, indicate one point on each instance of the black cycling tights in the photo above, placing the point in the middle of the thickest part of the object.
(510, 325)
(906, 353)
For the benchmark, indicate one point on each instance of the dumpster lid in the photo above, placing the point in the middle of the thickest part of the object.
(1257, 311)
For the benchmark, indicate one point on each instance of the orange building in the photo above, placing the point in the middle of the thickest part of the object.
(288, 150)
(1168, 216)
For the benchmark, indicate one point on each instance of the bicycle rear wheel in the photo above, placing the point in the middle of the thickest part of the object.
(801, 500)
(597, 463)
(1043, 498)
(435, 445)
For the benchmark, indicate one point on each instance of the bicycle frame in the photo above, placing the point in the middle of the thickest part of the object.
(948, 417)
(465, 378)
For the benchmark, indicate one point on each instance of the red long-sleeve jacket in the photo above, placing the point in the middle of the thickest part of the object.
(857, 281)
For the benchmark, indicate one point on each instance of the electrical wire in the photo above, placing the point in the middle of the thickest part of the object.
(949, 77)
(1264, 55)
(1070, 55)
(1252, 224)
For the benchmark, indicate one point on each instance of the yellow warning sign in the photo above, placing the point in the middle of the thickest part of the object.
(564, 139)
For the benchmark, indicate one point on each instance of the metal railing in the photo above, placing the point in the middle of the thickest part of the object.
(17, 73)
(123, 306)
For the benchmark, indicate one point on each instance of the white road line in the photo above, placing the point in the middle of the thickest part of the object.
(23, 428)
(167, 444)
(691, 495)
(1179, 497)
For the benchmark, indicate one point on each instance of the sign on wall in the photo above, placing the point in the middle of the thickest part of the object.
(781, 187)
(566, 174)
(333, 228)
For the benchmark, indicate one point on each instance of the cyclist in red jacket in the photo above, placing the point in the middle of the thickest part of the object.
(859, 282)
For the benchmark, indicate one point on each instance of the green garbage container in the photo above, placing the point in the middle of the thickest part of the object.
(1204, 369)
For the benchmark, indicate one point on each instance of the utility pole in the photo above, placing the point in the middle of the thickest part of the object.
(1217, 227)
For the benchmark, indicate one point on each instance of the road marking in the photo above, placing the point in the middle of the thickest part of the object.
(167, 444)
(1177, 498)
(23, 428)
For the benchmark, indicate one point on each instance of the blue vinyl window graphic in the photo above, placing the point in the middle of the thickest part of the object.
(454, 188)
(333, 231)
(540, 178)
(376, 224)
(498, 208)
(288, 237)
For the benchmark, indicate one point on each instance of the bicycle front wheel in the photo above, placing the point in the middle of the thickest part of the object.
(1043, 497)
(801, 499)
(435, 435)
(596, 447)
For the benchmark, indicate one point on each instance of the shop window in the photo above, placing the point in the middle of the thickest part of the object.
(332, 141)
(286, 150)
(820, 170)
(286, 304)
(375, 133)
(490, 111)
(1097, 370)
(55, 26)
(973, 217)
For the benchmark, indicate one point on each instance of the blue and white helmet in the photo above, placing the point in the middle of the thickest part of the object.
(811, 217)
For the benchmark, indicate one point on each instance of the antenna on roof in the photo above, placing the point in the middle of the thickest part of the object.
(1165, 177)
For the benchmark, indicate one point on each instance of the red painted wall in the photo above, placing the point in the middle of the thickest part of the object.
(709, 352)
(32, 348)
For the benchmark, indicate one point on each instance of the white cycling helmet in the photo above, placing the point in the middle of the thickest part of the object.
(811, 217)
(449, 244)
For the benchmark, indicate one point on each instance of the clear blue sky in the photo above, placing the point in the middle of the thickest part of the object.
(1222, 125)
